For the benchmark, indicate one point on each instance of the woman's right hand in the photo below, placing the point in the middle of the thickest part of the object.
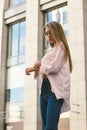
(37, 65)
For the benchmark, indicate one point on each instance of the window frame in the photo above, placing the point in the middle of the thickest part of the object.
(46, 44)
(14, 60)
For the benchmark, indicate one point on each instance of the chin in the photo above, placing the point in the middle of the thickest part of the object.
(51, 44)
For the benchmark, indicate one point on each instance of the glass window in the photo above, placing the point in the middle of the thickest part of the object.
(66, 33)
(16, 2)
(16, 43)
(60, 15)
(15, 76)
(23, 0)
(65, 17)
(15, 35)
(49, 16)
(15, 95)
(15, 73)
(14, 113)
(22, 38)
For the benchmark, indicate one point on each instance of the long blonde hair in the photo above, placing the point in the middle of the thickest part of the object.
(59, 35)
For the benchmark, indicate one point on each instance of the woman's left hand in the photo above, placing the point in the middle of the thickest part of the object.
(28, 70)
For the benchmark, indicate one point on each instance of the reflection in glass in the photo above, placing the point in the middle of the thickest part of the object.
(15, 95)
(22, 38)
(60, 15)
(14, 112)
(66, 33)
(16, 46)
(65, 17)
(49, 16)
(15, 73)
(14, 49)
(16, 2)
(23, 0)
(15, 76)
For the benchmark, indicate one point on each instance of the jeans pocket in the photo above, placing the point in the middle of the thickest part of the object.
(52, 95)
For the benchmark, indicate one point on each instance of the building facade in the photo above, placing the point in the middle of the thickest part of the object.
(22, 43)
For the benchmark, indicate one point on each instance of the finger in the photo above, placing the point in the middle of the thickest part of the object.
(28, 73)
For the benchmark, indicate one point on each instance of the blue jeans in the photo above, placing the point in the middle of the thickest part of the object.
(50, 107)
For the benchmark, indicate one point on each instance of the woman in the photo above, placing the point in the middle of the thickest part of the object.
(53, 72)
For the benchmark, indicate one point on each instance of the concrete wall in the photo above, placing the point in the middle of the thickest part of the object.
(77, 13)
(34, 44)
(3, 41)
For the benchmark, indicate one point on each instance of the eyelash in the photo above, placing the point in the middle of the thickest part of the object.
(48, 33)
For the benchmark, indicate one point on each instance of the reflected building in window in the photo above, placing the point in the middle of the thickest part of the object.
(15, 73)
(59, 15)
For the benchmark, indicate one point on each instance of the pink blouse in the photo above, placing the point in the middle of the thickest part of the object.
(56, 67)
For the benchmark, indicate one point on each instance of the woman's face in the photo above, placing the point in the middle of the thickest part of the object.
(49, 36)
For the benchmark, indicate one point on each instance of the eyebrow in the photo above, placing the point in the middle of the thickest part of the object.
(46, 32)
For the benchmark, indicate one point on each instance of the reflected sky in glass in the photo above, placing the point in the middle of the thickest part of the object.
(15, 35)
(16, 94)
(60, 15)
(15, 76)
(18, 39)
(16, 2)
(22, 38)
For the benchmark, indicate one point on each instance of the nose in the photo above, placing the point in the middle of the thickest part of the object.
(49, 36)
